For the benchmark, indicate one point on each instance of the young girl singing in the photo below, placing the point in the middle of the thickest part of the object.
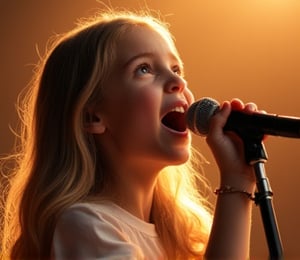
(106, 170)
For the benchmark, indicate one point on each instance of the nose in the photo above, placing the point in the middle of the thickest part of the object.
(175, 84)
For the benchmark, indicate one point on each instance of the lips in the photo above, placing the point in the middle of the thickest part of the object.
(175, 119)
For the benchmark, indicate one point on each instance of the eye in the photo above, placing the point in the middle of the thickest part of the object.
(143, 69)
(177, 70)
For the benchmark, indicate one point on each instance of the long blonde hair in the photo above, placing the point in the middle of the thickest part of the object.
(56, 160)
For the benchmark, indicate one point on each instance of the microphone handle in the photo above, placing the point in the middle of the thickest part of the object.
(263, 124)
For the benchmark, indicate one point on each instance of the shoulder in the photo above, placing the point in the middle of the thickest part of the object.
(90, 214)
(98, 220)
(79, 213)
(87, 229)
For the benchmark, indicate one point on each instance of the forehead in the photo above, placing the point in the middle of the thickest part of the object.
(142, 39)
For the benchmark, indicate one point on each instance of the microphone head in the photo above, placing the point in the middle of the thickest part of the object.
(199, 114)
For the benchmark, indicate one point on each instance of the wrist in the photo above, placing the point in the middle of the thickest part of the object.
(239, 181)
(225, 190)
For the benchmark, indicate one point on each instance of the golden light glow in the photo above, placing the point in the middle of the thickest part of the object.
(248, 49)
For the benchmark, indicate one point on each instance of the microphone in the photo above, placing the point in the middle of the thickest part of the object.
(199, 114)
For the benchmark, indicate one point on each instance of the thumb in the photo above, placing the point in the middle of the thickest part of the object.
(219, 120)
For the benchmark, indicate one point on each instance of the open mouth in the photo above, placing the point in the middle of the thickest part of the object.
(175, 120)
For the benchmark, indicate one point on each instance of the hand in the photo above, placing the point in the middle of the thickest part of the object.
(228, 148)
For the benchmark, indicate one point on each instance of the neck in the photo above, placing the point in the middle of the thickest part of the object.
(132, 189)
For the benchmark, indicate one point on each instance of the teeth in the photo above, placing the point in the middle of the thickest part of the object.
(178, 109)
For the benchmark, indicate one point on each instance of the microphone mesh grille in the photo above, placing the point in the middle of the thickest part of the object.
(199, 115)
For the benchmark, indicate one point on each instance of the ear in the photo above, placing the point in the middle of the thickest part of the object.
(94, 123)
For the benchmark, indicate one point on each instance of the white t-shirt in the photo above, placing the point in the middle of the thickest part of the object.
(104, 231)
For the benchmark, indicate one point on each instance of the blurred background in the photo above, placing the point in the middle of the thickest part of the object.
(245, 48)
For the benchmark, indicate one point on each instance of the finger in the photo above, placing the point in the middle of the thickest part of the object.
(219, 120)
(251, 107)
(215, 134)
(262, 111)
(237, 104)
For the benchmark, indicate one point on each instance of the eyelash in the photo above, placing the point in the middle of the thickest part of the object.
(176, 69)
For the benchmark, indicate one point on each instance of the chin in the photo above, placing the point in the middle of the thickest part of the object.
(180, 158)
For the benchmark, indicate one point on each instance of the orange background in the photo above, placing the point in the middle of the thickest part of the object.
(245, 48)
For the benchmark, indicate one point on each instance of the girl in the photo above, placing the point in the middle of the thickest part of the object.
(106, 168)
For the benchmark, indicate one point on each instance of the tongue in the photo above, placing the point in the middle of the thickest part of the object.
(175, 120)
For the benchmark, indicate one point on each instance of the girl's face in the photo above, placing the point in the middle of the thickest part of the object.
(145, 101)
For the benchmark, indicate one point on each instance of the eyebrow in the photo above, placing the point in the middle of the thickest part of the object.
(137, 56)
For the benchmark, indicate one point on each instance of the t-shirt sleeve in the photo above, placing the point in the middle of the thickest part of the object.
(82, 233)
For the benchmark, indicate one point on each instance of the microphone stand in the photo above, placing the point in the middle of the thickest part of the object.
(256, 156)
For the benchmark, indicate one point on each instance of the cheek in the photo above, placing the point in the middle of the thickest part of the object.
(189, 96)
(135, 111)
(145, 107)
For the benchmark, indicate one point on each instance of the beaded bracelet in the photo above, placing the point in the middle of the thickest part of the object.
(228, 189)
